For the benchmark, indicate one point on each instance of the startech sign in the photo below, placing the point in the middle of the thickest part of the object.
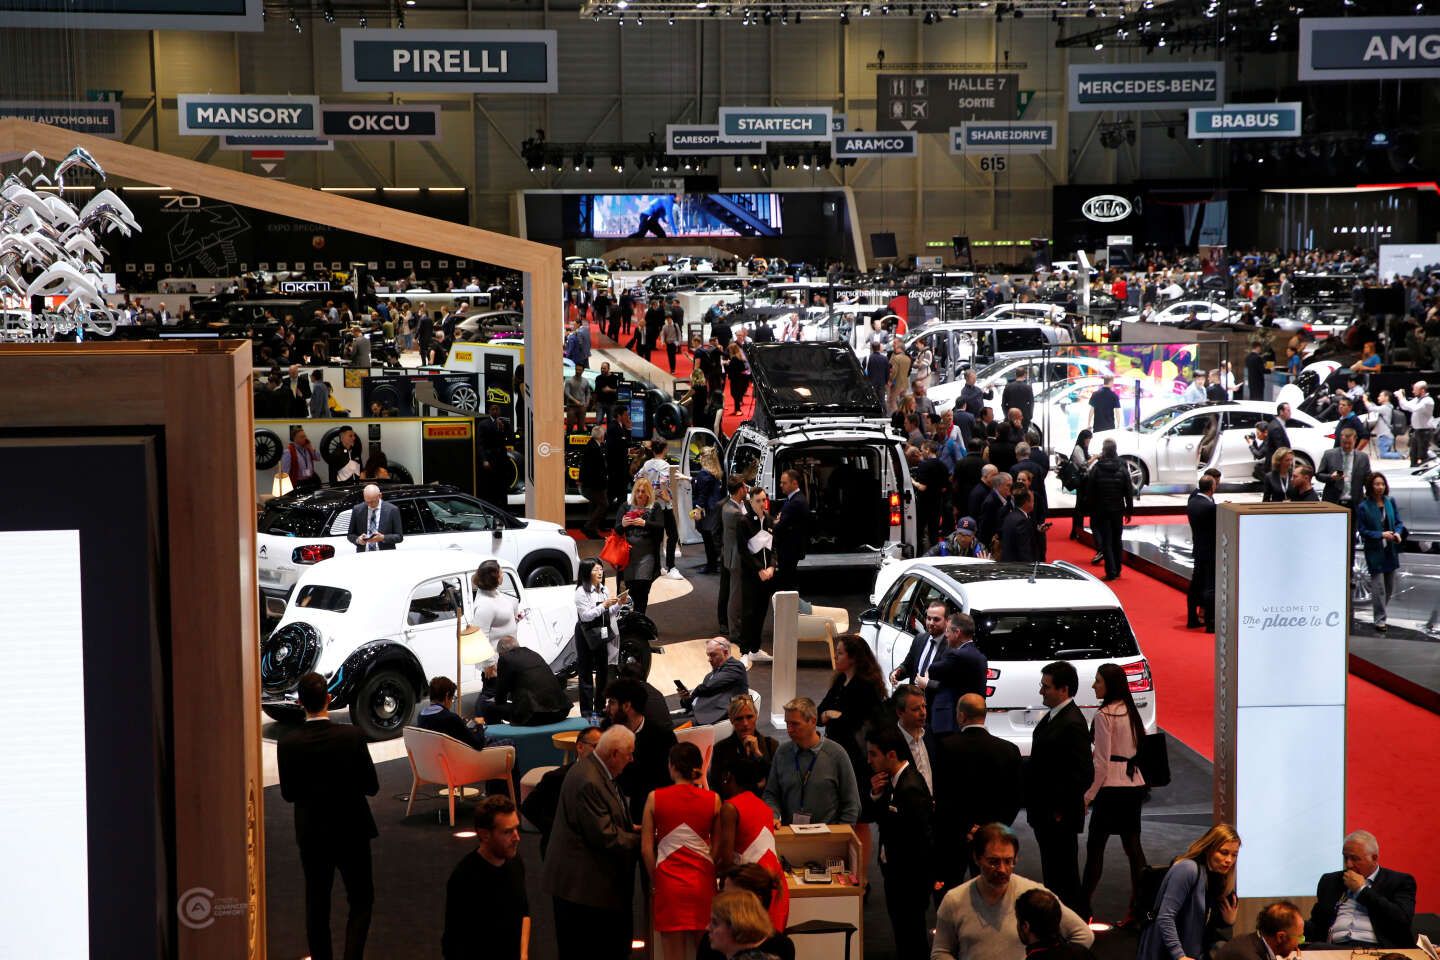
(775, 123)
(210, 114)
(1369, 48)
(1239, 122)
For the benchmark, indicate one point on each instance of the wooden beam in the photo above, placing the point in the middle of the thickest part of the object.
(544, 316)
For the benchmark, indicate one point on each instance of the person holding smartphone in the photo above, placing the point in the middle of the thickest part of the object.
(1196, 906)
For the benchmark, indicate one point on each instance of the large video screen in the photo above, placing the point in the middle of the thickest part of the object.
(614, 215)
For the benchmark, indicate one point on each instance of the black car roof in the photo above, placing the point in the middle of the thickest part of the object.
(349, 494)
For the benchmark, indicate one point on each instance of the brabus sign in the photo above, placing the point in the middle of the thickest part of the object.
(893, 143)
(203, 114)
(1145, 86)
(1369, 48)
(1106, 208)
(380, 121)
(1245, 121)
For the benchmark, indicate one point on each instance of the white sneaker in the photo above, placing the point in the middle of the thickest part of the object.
(760, 656)
(745, 659)
(674, 574)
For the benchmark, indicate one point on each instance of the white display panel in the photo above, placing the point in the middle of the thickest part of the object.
(1289, 816)
(44, 889)
(1291, 614)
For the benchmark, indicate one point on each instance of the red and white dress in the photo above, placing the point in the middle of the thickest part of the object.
(755, 843)
(684, 870)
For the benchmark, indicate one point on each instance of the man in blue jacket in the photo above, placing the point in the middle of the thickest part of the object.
(960, 669)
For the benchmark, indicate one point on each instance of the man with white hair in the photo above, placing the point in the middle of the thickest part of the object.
(1422, 420)
(1364, 904)
(591, 883)
(374, 524)
(710, 700)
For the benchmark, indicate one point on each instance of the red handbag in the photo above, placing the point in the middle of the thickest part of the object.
(616, 551)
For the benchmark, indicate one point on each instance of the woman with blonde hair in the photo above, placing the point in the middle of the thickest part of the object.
(1277, 481)
(707, 496)
(640, 522)
(1196, 904)
(739, 924)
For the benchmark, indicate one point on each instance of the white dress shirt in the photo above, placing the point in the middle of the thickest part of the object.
(920, 754)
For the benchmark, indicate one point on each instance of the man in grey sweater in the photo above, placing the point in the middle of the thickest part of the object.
(976, 920)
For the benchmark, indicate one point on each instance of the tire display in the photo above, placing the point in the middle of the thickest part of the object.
(400, 473)
(269, 448)
(330, 449)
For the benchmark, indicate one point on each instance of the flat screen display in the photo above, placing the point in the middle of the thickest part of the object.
(613, 215)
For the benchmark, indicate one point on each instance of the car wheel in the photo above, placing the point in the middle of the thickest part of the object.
(383, 705)
(546, 575)
(268, 449)
(1303, 461)
(1139, 476)
(635, 653)
(286, 714)
(670, 420)
(399, 472)
(464, 397)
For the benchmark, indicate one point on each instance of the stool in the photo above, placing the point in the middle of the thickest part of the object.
(820, 927)
(531, 780)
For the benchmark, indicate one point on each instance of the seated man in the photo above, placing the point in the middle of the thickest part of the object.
(1364, 903)
(710, 700)
(525, 692)
(1278, 932)
(438, 716)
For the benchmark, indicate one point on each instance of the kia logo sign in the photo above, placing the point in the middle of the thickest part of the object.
(1106, 208)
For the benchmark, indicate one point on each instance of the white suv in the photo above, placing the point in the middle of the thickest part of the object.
(1026, 615)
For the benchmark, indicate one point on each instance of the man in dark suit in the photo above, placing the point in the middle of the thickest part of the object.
(977, 781)
(625, 701)
(710, 700)
(525, 692)
(730, 607)
(1255, 372)
(925, 649)
(1302, 485)
(994, 507)
(592, 881)
(326, 772)
(905, 814)
(1056, 777)
(960, 669)
(1019, 538)
(1019, 396)
(1364, 904)
(1279, 437)
(297, 385)
(792, 531)
(540, 807)
(1279, 930)
(617, 453)
(374, 524)
(1345, 472)
(911, 717)
(438, 715)
(1200, 597)
(975, 503)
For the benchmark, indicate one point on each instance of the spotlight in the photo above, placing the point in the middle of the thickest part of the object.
(596, 17)
(844, 18)
(409, 3)
(767, 16)
(1099, 45)
(738, 165)
(622, 4)
(784, 17)
(329, 9)
(865, 10)
(1160, 42)
(620, 22)
(577, 162)
(670, 19)
(884, 9)
(806, 160)
(954, 10)
(400, 19)
(791, 161)
(365, 22)
(639, 19)
(617, 162)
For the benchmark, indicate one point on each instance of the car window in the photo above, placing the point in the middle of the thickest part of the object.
(1243, 419)
(286, 520)
(456, 515)
(411, 521)
(317, 597)
(746, 461)
(1007, 340)
(1192, 426)
(509, 587)
(896, 608)
(1045, 635)
(430, 603)
(926, 594)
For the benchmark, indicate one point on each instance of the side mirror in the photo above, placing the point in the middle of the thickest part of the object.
(870, 616)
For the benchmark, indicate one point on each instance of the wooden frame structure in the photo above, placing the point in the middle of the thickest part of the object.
(539, 263)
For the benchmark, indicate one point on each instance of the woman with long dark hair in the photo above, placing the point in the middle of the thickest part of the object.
(1382, 533)
(1117, 788)
(1081, 459)
(1196, 905)
(592, 631)
(855, 700)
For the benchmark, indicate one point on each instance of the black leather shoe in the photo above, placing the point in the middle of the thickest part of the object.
(1192, 624)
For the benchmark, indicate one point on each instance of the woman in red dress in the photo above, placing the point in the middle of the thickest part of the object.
(675, 844)
(745, 832)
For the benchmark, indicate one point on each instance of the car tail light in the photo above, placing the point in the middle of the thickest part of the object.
(1329, 436)
(894, 509)
(991, 674)
(1138, 673)
(312, 553)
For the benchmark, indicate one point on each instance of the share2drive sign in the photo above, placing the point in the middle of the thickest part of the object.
(449, 61)
(203, 114)
(799, 124)
(1245, 121)
(1145, 86)
(982, 136)
(891, 143)
(1369, 48)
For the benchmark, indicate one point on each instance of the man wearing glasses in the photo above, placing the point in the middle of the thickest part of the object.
(539, 808)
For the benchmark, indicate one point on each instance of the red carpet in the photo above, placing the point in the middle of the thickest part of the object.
(1394, 746)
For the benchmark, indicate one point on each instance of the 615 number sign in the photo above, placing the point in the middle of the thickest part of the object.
(992, 164)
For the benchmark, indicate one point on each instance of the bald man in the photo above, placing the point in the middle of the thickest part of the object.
(374, 524)
(710, 700)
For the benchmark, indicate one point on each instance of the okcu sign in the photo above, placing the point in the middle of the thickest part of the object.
(380, 122)
(1106, 208)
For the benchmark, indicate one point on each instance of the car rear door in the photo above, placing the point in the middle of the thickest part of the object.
(1234, 458)
(889, 635)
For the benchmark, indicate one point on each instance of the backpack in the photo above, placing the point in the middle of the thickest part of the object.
(1147, 892)
(1399, 421)
(1069, 475)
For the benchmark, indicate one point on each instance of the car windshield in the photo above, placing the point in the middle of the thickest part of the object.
(993, 370)
(1062, 389)
(1046, 635)
(1161, 419)
(317, 597)
(288, 520)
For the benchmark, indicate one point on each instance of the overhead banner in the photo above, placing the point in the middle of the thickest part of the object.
(205, 114)
(449, 61)
(267, 141)
(772, 124)
(704, 140)
(935, 102)
(1369, 48)
(1145, 86)
(135, 14)
(97, 119)
(852, 146)
(981, 136)
(379, 121)
(1245, 121)
(837, 123)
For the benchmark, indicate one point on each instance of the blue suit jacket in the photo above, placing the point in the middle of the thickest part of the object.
(1180, 909)
(957, 671)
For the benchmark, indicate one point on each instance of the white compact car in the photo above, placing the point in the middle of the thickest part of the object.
(380, 625)
(1038, 312)
(304, 528)
(1172, 446)
(1026, 615)
(1042, 371)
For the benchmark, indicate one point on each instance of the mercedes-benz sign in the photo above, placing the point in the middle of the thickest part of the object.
(1106, 208)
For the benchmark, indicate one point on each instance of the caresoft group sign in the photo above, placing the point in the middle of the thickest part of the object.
(379, 121)
(979, 136)
(1369, 48)
(704, 140)
(1145, 86)
(449, 61)
(801, 124)
(1245, 121)
(97, 119)
(893, 143)
(204, 114)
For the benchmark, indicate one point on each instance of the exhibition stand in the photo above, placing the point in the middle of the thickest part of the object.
(838, 902)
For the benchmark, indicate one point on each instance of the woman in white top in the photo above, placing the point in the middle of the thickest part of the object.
(1117, 788)
(592, 632)
(1378, 422)
(496, 613)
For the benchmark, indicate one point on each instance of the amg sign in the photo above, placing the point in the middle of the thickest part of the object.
(1369, 48)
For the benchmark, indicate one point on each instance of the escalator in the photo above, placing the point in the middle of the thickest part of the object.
(738, 212)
